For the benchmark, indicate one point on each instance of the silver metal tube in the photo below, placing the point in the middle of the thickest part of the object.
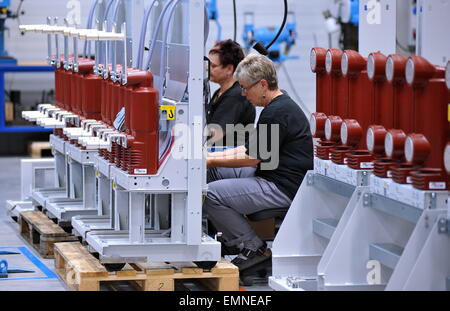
(125, 61)
(58, 57)
(49, 43)
(66, 47)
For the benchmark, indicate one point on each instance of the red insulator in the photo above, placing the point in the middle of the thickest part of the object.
(429, 179)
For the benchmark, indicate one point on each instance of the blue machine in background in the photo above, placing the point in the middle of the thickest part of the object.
(5, 13)
(350, 12)
(9, 64)
(279, 51)
(213, 15)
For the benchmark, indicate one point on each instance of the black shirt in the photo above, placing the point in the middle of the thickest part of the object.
(230, 108)
(295, 145)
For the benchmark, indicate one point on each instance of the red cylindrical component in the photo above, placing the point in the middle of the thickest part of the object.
(66, 77)
(401, 173)
(323, 80)
(59, 87)
(141, 157)
(339, 154)
(403, 94)
(351, 133)
(360, 160)
(375, 140)
(394, 144)
(417, 148)
(109, 102)
(447, 158)
(339, 83)
(104, 103)
(317, 124)
(429, 179)
(333, 128)
(91, 90)
(383, 167)
(360, 89)
(383, 91)
(430, 104)
(323, 148)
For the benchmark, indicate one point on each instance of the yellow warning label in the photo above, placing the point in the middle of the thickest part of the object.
(448, 112)
(170, 111)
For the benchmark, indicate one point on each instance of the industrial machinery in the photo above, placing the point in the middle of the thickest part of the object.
(279, 51)
(124, 187)
(373, 214)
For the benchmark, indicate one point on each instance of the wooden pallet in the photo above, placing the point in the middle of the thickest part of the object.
(36, 148)
(41, 232)
(83, 272)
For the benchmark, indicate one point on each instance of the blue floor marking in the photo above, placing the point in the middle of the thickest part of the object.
(39, 264)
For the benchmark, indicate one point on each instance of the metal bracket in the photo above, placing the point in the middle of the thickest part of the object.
(367, 200)
(310, 179)
(444, 225)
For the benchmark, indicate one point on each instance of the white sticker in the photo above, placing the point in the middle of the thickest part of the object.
(141, 171)
(345, 160)
(437, 185)
(409, 180)
(366, 164)
(389, 174)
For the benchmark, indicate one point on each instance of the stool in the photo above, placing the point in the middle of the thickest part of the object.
(263, 270)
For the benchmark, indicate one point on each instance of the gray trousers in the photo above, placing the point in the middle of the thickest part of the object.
(235, 192)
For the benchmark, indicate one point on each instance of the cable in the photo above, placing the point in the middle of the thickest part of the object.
(264, 50)
(235, 21)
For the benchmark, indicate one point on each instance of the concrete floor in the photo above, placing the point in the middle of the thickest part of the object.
(10, 237)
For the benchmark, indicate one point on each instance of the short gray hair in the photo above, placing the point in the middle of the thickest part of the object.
(256, 67)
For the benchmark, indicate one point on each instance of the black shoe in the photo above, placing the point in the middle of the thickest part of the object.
(228, 250)
(248, 258)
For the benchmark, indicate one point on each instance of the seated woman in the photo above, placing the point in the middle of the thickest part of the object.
(267, 171)
(228, 109)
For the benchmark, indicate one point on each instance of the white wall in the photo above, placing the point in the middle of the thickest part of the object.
(33, 47)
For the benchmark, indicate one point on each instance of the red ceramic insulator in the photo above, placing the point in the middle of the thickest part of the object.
(375, 139)
(401, 173)
(323, 80)
(419, 71)
(429, 179)
(91, 91)
(383, 167)
(403, 94)
(351, 132)
(430, 105)
(360, 160)
(142, 156)
(333, 128)
(339, 154)
(383, 91)
(322, 149)
(394, 144)
(317, 124)
(339, 83)
(360, 89)
(417, 148)
(447, 158)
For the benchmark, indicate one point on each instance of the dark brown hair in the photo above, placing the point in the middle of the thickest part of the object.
(229, 52)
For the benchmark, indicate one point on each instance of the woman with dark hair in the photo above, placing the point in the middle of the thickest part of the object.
(229, 113)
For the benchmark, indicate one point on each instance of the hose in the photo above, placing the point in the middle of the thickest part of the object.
(87, 44)
(264, 50)
(155, 34)
(140, 57)
(167, 140)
